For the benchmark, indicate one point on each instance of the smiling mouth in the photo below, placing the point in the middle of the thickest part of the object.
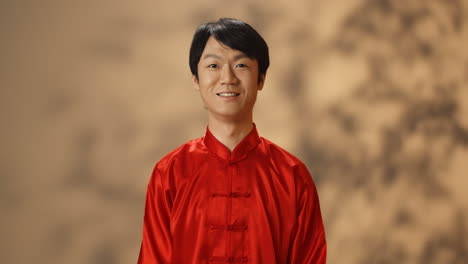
(230, 94)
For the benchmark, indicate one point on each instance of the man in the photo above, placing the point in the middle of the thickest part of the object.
(231, 196)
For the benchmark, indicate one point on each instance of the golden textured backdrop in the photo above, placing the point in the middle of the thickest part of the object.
(371, 94)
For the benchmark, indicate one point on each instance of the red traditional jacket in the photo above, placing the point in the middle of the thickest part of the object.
(207, 205)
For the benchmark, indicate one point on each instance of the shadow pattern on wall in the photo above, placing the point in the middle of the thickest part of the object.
(391, 146)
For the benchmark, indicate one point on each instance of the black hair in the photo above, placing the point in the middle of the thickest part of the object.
(235, 34)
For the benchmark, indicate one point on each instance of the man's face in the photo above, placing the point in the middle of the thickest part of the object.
(227, 81)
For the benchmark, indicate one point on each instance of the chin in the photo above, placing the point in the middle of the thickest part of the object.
(227, 114)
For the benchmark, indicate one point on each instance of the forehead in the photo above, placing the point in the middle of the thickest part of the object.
(213, 46)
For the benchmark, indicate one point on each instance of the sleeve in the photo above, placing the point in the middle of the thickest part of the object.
(156, 244)
(308, 245)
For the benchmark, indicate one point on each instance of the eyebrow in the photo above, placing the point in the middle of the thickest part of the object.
(237, 57)
(240, 56)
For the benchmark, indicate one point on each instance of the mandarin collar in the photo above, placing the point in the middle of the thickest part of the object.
(248, 143)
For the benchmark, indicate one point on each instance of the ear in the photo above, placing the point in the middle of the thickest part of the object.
(261, 81)
(195, 83)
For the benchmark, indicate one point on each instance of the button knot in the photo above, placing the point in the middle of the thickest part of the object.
(239, 194)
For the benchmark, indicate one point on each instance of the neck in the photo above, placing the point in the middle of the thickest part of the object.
(230, 133)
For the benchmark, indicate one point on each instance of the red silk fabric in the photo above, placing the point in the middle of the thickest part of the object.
(207, 205)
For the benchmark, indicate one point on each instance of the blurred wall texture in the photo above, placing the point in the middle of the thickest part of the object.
(371, 94)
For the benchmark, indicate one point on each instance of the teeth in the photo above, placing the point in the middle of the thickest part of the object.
(227, 94)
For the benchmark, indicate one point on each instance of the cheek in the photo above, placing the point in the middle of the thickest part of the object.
(206, 84)
(207, 74)
(207, 80)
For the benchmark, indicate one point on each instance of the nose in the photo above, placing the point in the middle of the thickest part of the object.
(227, 75)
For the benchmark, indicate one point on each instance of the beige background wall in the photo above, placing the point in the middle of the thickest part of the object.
(371, 95)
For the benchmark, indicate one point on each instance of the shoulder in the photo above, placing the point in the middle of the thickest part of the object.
(284, 158)
(279, 154)
(176, 163)
(182, 153)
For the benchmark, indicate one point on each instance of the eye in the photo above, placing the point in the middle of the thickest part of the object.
(213, 66)
(241, 65)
